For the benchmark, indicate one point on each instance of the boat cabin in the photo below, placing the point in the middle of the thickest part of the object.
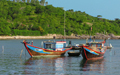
(55, 45)
(95, 44)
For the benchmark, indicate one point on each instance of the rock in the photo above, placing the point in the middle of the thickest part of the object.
(111, 35)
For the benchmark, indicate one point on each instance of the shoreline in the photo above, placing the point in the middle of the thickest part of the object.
(98, 36)
(25, 37)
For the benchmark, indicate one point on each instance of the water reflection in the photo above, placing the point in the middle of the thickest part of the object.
(92, 65)
(50, 65)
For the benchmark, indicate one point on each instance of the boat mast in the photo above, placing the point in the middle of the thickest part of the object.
(90, 33)
(64, 25)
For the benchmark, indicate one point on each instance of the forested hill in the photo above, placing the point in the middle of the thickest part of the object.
(22, 18)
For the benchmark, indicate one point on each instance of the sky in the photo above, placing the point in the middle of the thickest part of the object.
(108, 9)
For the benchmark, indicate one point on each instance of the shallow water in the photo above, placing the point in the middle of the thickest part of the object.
(12, 64)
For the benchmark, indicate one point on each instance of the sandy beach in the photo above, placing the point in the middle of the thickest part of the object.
(50, 36)
(26, 37)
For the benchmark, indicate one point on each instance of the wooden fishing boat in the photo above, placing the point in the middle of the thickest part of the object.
(50, 48)
(93, 50)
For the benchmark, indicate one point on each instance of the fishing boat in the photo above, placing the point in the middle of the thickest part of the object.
(50, 48)
(93, 50)
(74, 53)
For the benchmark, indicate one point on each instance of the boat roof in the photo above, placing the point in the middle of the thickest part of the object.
(53, 42)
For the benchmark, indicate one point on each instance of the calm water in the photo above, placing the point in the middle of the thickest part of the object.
(12, 64)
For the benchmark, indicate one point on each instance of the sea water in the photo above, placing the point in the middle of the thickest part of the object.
(14, 60)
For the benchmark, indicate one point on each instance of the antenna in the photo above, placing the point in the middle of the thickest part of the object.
(64, 22)
(64, 25)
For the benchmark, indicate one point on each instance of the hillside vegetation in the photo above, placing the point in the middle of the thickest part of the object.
(33, 19)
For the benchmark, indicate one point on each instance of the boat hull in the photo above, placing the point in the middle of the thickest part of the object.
(73, 53)
(37, 52)
(92, 54)
(34, 53)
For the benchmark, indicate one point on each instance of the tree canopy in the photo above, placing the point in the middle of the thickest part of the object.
(35, 18)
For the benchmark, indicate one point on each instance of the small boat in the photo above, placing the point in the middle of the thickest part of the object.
(50, 48)
(93, 50)
(74, 53)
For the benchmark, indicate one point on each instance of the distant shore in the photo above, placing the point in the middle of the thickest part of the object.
(97, 36)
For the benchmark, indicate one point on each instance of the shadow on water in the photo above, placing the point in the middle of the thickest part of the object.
(92, 65)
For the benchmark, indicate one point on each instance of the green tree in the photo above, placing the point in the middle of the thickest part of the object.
(23, 18)
(99, 16)
(42, 2)
(46, 3)
(41, 29)
(32, 1)
(13, 0)
(28, 1)
(23, 0)
(4, 27)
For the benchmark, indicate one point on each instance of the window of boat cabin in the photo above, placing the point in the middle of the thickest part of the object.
(50, 46)
(91, 44)
(95, 44)
(59, 45)
(99, 45)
